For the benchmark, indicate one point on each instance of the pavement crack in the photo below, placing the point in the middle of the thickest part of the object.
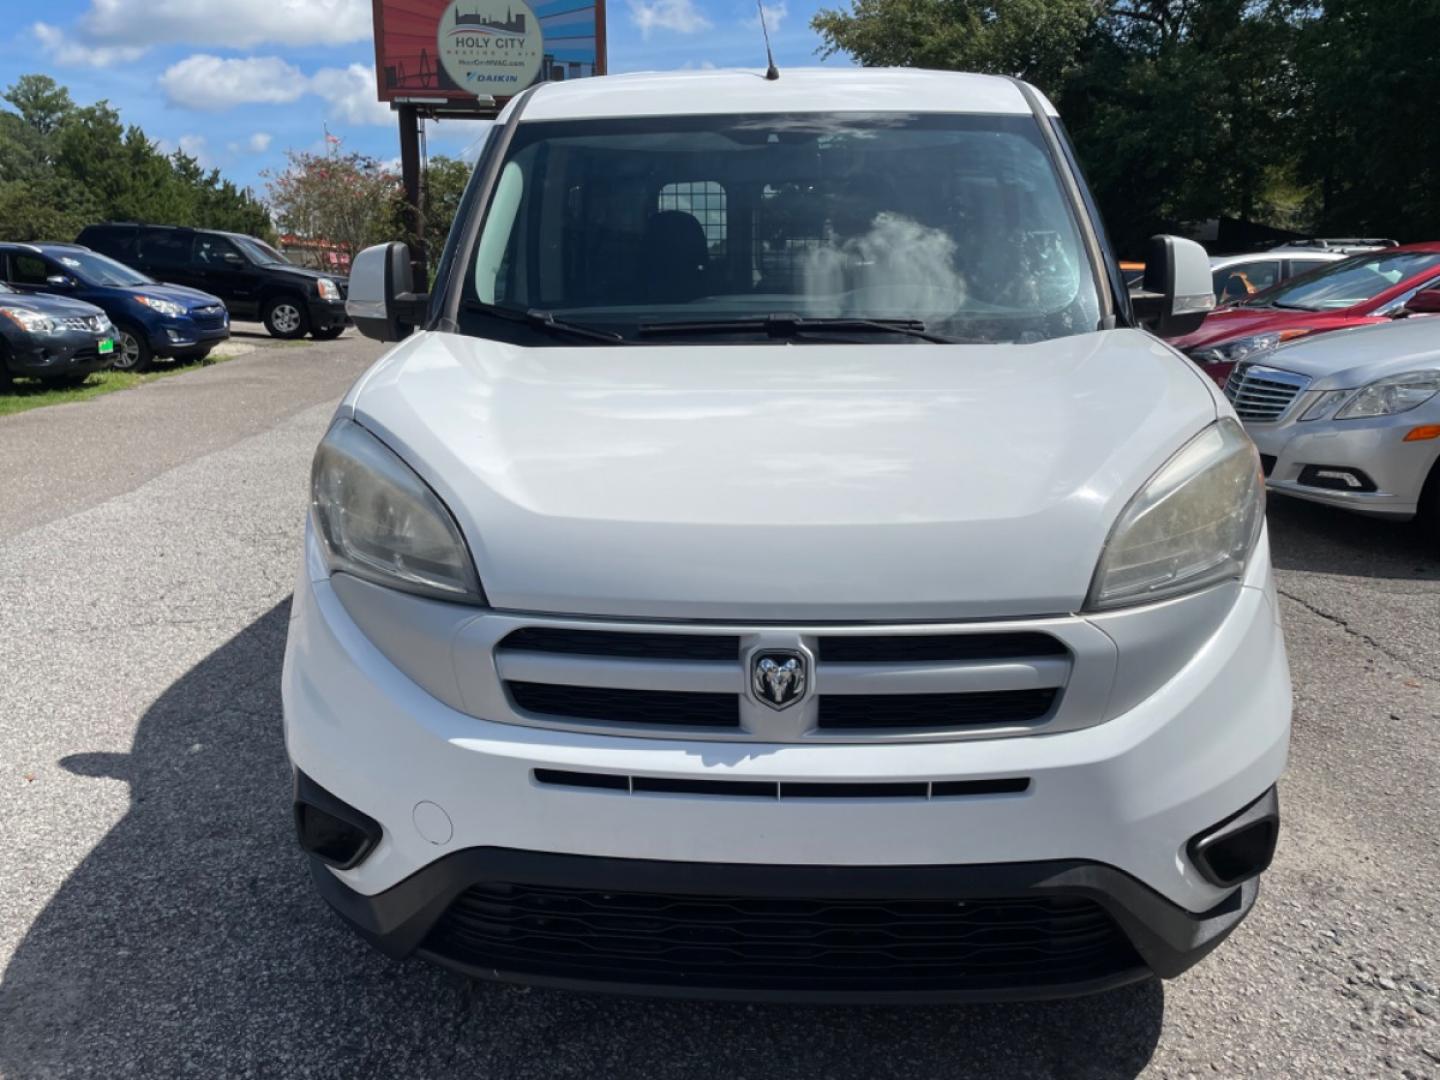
(1407, 662)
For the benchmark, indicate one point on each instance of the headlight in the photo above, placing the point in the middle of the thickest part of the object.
(1245, 348)
(1195, 522)
(162, 307)
(1393, 394)
(328, 289)
(32, 322)
(380, 521)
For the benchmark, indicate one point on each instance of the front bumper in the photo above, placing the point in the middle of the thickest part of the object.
(1375, 446)
(180, 338)
(825, 934)
(1120, 799)
(325, 314)
(69, 354)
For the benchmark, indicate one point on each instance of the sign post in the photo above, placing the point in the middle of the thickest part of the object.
(467, 58)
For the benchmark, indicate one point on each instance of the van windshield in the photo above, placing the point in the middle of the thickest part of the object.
(957, 225)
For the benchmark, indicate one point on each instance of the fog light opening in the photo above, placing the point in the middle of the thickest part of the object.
(1336, 478)
(330, 829)
(1240, 847)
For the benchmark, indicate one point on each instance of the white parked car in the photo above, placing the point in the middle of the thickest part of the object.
(1352, 419)
(1238, 277)
(776, 563)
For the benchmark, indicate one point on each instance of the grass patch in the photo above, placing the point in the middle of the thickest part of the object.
(27, 394)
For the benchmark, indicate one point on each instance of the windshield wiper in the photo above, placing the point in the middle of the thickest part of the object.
(545, 320)
(786, 326)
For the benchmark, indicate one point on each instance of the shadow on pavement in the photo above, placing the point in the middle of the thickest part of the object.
(1321, 539)
(189, 942)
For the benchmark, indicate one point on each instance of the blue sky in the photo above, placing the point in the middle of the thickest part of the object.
(237, 82)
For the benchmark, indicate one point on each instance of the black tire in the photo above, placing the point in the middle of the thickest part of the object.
(6, 379)
(327, 333)
(1428, 513)
(132, 350)
(285, 317)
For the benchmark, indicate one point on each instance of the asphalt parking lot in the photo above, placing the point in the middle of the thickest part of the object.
(156, 919)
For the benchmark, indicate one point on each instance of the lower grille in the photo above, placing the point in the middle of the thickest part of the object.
(666, 708)
(917, 712)
(774, 943)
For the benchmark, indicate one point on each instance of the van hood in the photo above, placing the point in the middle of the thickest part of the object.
(1349, 359)
(786, 482)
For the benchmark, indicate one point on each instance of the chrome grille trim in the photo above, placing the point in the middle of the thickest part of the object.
(1263, 393)
(84, 322)
(1065, 656)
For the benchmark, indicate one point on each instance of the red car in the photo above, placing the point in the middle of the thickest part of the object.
(1367, 288)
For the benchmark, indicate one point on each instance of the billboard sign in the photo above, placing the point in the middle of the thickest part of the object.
(460, 50)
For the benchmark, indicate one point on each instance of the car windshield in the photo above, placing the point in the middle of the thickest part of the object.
(259, 252)
(957, 225)
(96, 269)
(1348, 282)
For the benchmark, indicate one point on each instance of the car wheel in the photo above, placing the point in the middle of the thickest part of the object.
(286, 318)
(6, 379)
(327, 333)
(132, 350)
(1428, 513)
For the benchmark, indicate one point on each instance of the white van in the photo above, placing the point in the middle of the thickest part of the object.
(777, 563)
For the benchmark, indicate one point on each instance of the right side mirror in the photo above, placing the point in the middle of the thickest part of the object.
(1178, 290)
(381, 299)
(1424, 302)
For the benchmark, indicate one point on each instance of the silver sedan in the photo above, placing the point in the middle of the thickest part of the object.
(1351, 418)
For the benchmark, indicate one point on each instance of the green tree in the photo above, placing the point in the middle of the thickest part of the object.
(63, 166)
(345, 199)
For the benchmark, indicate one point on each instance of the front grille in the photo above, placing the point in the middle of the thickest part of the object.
(1262, 393)
(915, 712)
(661, 708)
(639, 645)
(84, 322)
(898, 648)
(758, 943)
(859, 686)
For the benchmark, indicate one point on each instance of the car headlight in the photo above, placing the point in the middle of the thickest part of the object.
(32, 322)
(378, 520)
(1246, 348)
(161, 307)
(1323, 407)
(1392, 394)
(1195, 522)
(328, 289)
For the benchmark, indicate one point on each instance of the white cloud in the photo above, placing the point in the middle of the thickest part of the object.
(67, 52)
(236, 24)
(259, 142)
(681, 16)
(774, 16)
(208, 82)
(351, 94)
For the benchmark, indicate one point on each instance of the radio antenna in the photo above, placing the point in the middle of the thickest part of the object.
(772, 72)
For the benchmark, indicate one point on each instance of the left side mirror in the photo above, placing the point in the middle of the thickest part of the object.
(381, 299)
(1178, 291)
(234, 258)
(1424, 302)
(60, 281)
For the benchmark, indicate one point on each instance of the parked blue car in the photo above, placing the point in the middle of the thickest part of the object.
(52, 338)
(151, 320)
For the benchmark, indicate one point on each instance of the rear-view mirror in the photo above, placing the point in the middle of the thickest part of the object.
(1424, 302)
(381, 299)
(1177, 291)
(60, 281)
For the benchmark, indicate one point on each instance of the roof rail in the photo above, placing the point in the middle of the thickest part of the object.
(1338, 243)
